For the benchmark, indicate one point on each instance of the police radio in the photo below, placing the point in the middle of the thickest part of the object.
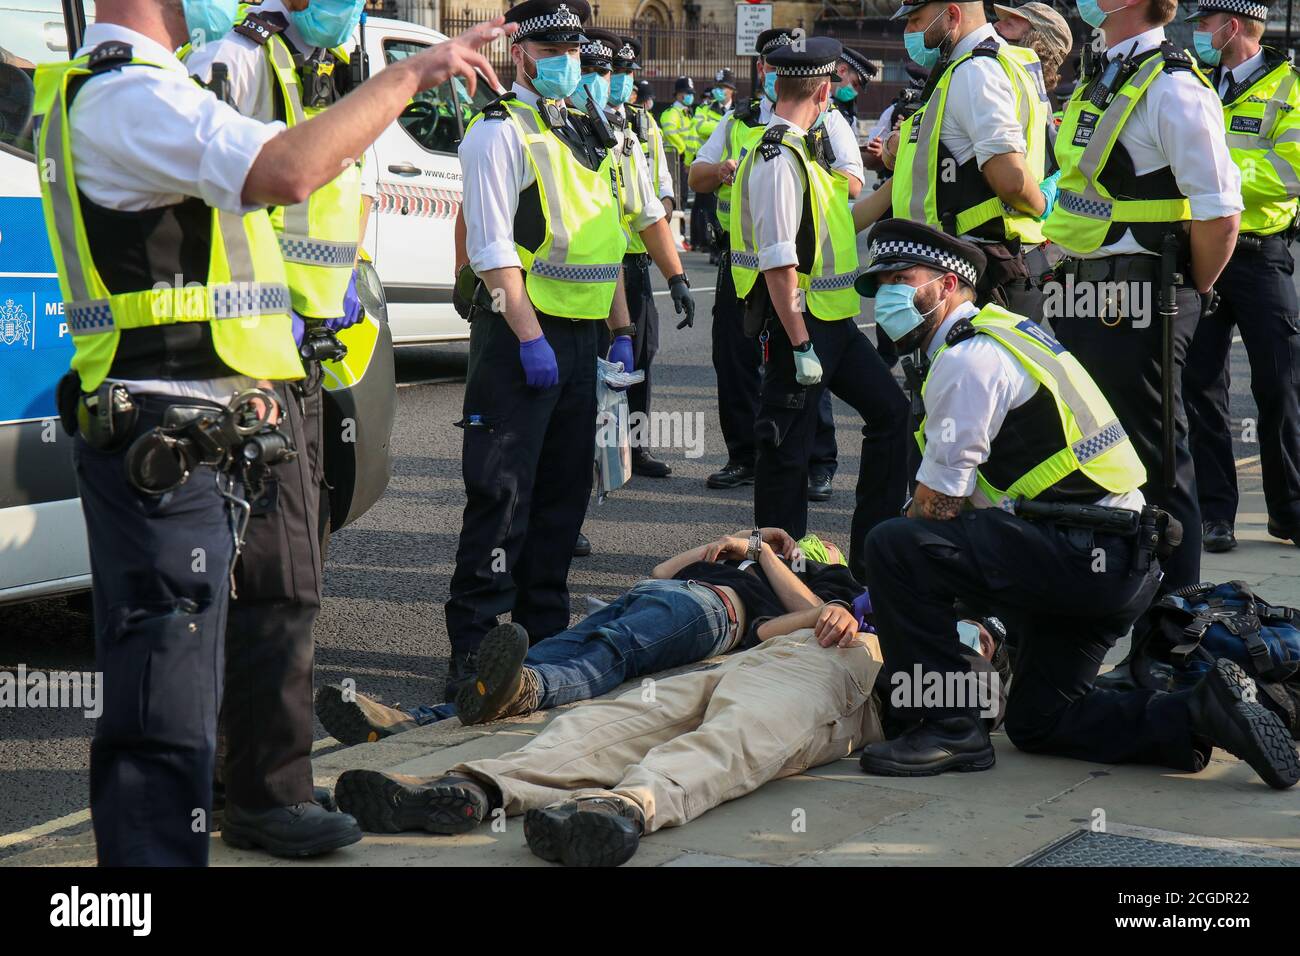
(600, 123)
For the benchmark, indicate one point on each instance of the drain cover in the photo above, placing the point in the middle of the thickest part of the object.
(1086, 848)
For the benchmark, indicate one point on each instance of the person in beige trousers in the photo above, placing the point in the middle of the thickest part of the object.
(661, 754)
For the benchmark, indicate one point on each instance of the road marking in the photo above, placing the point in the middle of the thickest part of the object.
(693, 289)
(1247, 461)
(444, 380)
(44, 829)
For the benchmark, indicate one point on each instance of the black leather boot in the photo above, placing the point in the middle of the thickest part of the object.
(1225, 711)
(733, 475)
(1217, 536)
(932, 747)
(393, 802)
(647, 465)
(589, 831)
(304, 829)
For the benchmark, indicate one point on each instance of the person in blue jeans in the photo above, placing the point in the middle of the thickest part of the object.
(699, 604)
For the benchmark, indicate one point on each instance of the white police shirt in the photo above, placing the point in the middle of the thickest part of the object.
(848, 157)
(640, 203)
(1179, 124)
(665, 180)
(776, 188)
(1229, 77)
(968, 394)
(186, 143)
(249, 72)
(979, 116)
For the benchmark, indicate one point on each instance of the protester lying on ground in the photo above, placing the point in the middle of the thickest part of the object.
(603, 774)
(698, 604)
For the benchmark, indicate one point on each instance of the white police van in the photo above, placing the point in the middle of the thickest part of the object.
(410, 238)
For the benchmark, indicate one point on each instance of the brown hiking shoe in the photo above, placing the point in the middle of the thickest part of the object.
(353, 718)
(502, 686)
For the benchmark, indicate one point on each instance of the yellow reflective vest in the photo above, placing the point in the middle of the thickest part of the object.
(244, 297)
(679, 131)
(1262, 122)
(743, 131)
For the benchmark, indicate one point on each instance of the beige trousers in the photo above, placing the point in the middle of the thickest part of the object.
(681, 745)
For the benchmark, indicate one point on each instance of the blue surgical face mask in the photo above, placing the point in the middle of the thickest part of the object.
(1203, 41)
(209, 20)
(845, 93)
(1091, 13)
(592, 87)
(328, 23)
(896, 312)
(719, 94)
(620, 88)
(921, 54)
(557, 76)
(769, 86)
(688, 99)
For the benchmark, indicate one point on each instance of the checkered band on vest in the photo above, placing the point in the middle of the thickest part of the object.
(318, 252)
(1093, 208)
(817, 69)
(1098, 444)
(833, 283)
(893, 248)
(745, 260)
(561, 16)
(597, 273)
(86, 317)
(235, 300)
(597, 49)
(1257, 11)
(783, 40)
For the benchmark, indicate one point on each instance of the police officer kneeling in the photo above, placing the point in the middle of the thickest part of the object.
(1015, 424)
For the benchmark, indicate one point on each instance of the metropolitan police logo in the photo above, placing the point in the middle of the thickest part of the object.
(15, 326)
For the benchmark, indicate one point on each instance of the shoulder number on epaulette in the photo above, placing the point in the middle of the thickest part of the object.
(769, 151)
(988, 48)
(110, 56)
(260, 27)
(1175, 58)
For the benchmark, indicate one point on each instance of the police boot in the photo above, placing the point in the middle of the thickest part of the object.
(733, 475)
(1277, 531)
(1224, 710)
(502, 686)
(932, 747)
(304, 829)
(589, 831)
(647, 465)
(1217, 536)
(393, 802)
(582, 546)
(352, 718)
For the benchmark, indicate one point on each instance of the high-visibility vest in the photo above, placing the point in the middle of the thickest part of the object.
(929, 187)
(244, 298)
(743, 131)
(632, 190)
(707, 117)
(827, 268)
(1263, 131)
(679, 131)
(642, 122)
(318, 237)
(1087, 214)
(573, 271)
(1090, 442)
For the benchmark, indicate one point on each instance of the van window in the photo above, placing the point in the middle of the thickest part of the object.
(33, 34)
(436, 118)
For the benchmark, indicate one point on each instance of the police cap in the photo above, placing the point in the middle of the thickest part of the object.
(559, 21)
(894, 244)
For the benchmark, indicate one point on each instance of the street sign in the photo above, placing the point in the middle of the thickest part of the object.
(751, 20)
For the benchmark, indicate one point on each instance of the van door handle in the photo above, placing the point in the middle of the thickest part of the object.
(404, 169)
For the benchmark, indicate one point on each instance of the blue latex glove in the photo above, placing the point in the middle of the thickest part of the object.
(1050, 187)
(807, 367)
(538, 360)
(352, 311)
(620, 350)
(299, 327)
(861, 608)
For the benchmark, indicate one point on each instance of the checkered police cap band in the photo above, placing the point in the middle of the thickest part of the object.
(1258, 11)
(817, 69)
(561, 16)
(597, 49)
(918, 251)
(783, 40)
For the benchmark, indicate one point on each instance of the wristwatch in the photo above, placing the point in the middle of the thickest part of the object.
(802, 348)
(755, 549)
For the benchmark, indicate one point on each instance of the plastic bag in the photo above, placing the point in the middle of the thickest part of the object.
(613, 448)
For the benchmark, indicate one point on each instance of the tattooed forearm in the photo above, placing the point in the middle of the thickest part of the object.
(929, 503)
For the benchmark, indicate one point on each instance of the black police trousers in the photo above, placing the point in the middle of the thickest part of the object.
(644, 318)
(736, 362)
(1124, 359)
(161, 569)
(527, 460)
(1066, 595)
(266, 715)
(853, 371)
(1258, 298)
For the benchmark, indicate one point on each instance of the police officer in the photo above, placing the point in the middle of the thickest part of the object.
(644, 97)
(633, 100)
(855, 72)
(794, 258)
(161, 237)
(970, 160)
(1015, 424)
(1142, 157)
(705, 227)
(678, 125)
(736, 356)
(276, 62)
(646, 225)
(1260, 97)
(545, 238)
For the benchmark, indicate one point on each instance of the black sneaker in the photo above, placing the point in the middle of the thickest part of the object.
(819, 486)
(647, 465)
(1224, 709)
(1217, 536)
(930, 748)
(352, 718)
(733, 475)
(302, 830)
(503, 686)
(394, 802)
(589, 831)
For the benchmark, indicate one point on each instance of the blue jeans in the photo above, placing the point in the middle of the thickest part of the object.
(654, 626)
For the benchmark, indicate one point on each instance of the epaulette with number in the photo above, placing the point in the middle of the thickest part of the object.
(960, 332)
(988, 48)
(260, 27)
(496, 108)
(769, 147)
(111, 55)
(1175, 57)
(748, 112)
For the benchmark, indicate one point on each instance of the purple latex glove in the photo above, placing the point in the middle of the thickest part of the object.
(861, 608)
(299, 327)
(352, 311)
(538, 359)
(620, 350)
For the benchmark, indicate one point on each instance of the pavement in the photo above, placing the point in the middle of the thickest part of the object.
(382, 626)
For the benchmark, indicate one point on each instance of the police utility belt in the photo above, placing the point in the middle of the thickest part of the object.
(234, 438)
(1155, 532)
